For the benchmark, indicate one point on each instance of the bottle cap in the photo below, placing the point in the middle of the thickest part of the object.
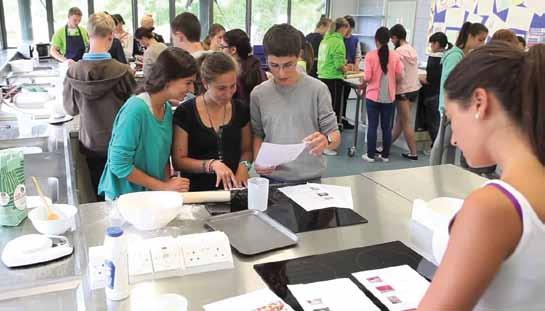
(114, 232)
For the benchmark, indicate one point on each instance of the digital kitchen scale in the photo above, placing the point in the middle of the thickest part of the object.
(35, 248)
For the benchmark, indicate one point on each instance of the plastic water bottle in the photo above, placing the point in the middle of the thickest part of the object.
(116, 263)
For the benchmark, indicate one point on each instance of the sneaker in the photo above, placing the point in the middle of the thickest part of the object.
(379, 149)
(330, 152)
(409, 156)
(383, 159)
(347, 125)
(368, 159)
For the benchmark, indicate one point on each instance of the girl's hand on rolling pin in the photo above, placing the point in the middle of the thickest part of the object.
(179, 184)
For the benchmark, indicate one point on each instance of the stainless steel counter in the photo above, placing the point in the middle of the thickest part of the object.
(388, 213)
(428, 182)
(388, 216)
(54, 283)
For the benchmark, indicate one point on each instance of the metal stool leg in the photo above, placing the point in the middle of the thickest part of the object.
(354, 148)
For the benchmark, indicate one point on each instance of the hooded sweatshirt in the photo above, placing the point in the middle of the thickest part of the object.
(409, 82)
(331, 56)
(449, 61)
(96, 90)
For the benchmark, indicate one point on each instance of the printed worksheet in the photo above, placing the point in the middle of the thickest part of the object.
(399, 288)
(259, 300)
(318, 196)
(332, 295)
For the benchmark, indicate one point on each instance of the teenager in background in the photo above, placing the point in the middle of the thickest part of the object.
(407, 90)
(471, 36)
(314, 38)
(383, 70)
(432, 82)
(212, 42)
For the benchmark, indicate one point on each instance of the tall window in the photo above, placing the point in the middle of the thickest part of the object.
(159, 11)
(230, 13)
(38, 13)
(187, 6)
(13, 24)
(123, 8)
(266, 13)
(306, 13)
(39, 21)
(60, 11)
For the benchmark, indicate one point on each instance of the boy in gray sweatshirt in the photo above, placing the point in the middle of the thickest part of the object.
(95, 88)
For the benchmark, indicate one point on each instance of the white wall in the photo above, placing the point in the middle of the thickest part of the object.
(342, 8)
(420, 39)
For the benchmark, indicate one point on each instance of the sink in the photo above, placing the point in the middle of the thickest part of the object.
(40, 135)
(49, 169)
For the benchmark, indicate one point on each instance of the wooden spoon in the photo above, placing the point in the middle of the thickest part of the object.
(51, 215)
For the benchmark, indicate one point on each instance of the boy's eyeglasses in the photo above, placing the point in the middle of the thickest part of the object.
(286, 66)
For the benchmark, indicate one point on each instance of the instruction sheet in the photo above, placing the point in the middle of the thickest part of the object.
(398, 288)
(332, 295)
(318, 196)
(259, 300)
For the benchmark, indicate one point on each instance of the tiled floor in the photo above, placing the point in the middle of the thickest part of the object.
(343, 165)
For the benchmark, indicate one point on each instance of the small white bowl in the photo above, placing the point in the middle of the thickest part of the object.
(33, 201)
(67, 213)
(150, 210)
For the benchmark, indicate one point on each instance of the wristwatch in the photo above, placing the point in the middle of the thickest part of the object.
(246, 163)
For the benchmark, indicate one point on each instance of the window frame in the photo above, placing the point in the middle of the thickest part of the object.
(206, 15)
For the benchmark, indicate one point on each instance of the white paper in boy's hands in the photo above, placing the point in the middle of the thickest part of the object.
(259, 300)
(270, 155)
(332, 295)
(398, 288)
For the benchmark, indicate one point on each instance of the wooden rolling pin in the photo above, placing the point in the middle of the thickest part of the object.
(206, 196)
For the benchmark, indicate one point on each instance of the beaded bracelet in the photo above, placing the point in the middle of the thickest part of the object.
(209, 166)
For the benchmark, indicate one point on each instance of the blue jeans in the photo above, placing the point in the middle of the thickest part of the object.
(384, 113)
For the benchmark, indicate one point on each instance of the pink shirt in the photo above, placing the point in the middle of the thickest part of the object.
(373, 74)
(409, 58)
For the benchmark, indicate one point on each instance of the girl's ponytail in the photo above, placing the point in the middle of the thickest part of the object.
(533, 95)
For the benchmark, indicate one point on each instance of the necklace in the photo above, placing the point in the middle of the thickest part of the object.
(210, 117)
(219, 133)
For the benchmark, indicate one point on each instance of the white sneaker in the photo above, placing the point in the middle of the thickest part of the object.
(366, 158)
(330, 152)
(386, 160)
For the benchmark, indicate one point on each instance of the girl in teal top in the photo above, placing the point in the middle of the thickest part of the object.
(471, 36)
(139, 150)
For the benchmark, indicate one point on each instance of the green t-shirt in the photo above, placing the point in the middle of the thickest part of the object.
(139, 140)
(59, 38)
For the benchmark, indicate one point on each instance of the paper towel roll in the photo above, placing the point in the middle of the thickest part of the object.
(206, 196)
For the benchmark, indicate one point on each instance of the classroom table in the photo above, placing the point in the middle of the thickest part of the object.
(428, 182)
(379, 197)
(389, 220)
(358, 86)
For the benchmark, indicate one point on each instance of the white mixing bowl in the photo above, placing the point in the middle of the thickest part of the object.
(150, 210)
(67, 214)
